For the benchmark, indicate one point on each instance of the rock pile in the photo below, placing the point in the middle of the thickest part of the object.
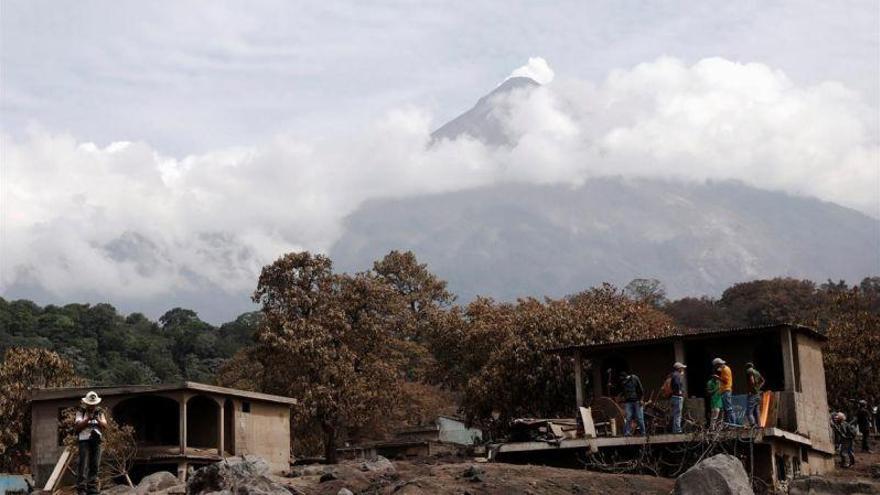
(245, 475)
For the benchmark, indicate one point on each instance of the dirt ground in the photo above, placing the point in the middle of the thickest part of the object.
(415, 477)
(862, 467)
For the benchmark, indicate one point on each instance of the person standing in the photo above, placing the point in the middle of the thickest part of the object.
(755, 384)
(863, 419)
(89, 425)
(713, 393)
(843, 439)
(726, 387)
(633, 394)
(677, 397)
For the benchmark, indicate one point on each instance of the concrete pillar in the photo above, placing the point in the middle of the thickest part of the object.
(578, 378)
(221, 431)
(788, 369)
(597, 379)
(183, 425)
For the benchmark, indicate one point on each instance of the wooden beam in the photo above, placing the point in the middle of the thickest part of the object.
(787, 359)
(578, 378)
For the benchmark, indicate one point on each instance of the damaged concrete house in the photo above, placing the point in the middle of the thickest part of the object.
(444, 435)
(794, 439)
(176, 426)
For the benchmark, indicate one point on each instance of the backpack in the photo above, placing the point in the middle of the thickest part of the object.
(666, 388)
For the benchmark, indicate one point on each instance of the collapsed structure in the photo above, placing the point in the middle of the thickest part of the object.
(175, 425)
(444, 435)
(794, 439)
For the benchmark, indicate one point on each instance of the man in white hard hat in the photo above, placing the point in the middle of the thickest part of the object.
(89, 426)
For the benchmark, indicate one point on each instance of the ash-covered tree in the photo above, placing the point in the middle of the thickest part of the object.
(325, 340)
(21, 371)
(778, 300)
(519, 379)
(852, 354)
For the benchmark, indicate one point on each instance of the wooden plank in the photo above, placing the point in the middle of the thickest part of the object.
(58, 472)
(587, 421)
(766, 399)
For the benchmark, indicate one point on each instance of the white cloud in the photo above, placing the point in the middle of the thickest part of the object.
(124, 220)
(537, 68)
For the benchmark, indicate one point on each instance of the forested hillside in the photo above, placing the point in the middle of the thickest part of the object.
(107, 347)
(338, 339)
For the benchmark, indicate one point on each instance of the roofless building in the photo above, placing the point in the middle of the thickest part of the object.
(795, 438)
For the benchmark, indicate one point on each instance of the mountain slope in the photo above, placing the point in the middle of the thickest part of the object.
(509, 241)
(519, 240)
(483, 121)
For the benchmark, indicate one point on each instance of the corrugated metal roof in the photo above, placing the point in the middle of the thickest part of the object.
(689, 334)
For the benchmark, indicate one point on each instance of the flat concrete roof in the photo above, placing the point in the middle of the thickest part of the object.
(688, 334)
(44, 394)
(594, 443)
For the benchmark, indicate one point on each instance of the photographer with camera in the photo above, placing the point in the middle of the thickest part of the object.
(89, 424)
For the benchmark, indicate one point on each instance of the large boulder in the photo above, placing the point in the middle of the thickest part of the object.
(378, 465)
(156, 482)
(721, 474)
(238, 475)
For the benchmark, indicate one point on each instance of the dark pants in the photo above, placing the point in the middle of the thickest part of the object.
(845, 449)
(87, 468)
(865, 436)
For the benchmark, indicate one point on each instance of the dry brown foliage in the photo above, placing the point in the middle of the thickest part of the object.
(517, 378)
(21, 371)
(118, 449)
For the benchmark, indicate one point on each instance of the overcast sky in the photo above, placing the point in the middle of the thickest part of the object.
(190, 76)
(159, 152)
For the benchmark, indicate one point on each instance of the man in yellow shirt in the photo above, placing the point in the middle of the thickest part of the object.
(726, 388)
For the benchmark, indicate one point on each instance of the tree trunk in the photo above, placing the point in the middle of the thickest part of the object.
(329, 443)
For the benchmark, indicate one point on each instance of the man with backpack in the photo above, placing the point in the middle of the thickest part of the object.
(756, 383)
(632, 401)
(844, 434)
(675, 392)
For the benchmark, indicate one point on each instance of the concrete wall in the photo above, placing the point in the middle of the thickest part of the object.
(812, 400)
(264, 431)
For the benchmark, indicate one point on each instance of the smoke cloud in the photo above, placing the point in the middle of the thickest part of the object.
(537, 68)
(125, 221)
